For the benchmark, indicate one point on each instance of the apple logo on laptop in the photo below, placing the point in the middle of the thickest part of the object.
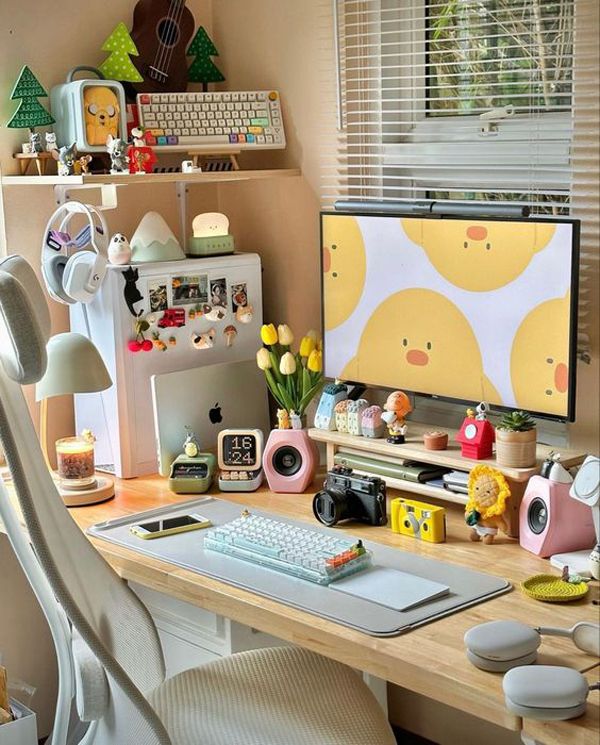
(215, 415)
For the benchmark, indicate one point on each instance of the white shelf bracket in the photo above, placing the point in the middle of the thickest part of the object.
(108, 194)
(182, 194)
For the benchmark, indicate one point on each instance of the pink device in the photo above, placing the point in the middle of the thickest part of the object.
(290, 460)
(550, 522)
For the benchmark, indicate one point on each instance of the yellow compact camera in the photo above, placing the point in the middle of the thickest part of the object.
(427, 522)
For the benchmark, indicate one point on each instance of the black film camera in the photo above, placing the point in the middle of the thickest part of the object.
(349, 496)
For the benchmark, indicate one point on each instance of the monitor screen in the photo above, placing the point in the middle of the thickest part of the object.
(458, 308)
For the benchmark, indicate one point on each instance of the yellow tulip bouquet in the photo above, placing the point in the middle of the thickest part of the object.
(294, 378)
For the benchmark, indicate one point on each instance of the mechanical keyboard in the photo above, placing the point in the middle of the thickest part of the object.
(309, 554)
(222, 121)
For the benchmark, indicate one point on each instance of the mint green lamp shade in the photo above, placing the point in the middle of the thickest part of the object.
(74, 366)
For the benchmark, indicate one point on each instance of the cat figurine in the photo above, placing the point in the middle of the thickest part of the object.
(117, 149)
(51, 143)
(130, 292)
(66, 157)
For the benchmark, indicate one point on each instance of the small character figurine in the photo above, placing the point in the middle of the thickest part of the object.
(484, 511)
(51, 142)
(396, 408)
(81, 165)
(482, 410)
(191, 447)
(35, 142)
(283, 419)
(138, 137)
(295, 420)
(117, 149)
(131, 292)
(66, 159)
(141, 156)
(204, 341)
(119, 250)
(470, 414)
(216, 313)
(244, 314)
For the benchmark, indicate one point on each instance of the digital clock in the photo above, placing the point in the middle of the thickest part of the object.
(239, 453)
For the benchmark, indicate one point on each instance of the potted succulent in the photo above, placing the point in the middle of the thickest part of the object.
(516, 437)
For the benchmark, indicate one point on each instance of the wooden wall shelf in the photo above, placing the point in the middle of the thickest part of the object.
(150, 178)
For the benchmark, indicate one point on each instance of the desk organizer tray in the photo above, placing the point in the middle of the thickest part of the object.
(186, 550)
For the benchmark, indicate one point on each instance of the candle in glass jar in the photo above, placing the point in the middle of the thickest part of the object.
(75, 461)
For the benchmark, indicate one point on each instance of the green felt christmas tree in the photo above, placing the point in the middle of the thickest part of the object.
(118, 66)
(30, 113)
(203, 69)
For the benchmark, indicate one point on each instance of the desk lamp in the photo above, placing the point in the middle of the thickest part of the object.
(74, 366)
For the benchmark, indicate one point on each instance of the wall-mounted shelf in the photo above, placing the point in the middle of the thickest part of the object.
(149, 178)
(109, 182)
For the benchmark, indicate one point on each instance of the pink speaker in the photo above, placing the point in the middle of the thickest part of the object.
(290, 460)
(550, 522)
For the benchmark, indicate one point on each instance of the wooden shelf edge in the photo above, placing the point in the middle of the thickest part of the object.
(414, 449)
(150, 178)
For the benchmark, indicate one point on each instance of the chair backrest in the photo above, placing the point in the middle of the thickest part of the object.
(110, 618)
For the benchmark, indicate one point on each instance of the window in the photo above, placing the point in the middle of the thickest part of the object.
(457, 99)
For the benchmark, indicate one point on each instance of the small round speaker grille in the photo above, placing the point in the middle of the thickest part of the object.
(537, 516)
(287, 461)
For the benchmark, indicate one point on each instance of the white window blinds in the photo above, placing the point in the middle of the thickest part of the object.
(463, 99)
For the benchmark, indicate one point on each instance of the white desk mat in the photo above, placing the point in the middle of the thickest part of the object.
(186, 550)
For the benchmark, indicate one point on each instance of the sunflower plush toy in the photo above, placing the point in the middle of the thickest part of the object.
(484, 512)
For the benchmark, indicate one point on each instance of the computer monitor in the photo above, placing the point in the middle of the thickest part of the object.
(458, 308)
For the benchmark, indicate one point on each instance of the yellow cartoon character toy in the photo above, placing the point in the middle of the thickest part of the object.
(344, 268)
(101, 114)
(484, 512)
(479, 255)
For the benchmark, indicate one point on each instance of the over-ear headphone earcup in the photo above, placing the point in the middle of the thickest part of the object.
(78, 276)
(53, 270)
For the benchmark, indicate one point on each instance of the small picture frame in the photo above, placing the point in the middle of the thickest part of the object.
(189, 289)
(158, 297)
(218, 292)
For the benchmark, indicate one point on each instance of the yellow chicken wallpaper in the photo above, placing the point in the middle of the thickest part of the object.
(479, 255)
(467, 309)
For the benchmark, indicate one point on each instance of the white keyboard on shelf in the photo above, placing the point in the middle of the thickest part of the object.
(223, 121)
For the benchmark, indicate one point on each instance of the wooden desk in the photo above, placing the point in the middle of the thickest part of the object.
(429, 661)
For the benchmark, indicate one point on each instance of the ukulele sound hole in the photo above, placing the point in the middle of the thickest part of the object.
(168, 32)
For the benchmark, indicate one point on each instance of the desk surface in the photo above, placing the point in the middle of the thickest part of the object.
(429, 661)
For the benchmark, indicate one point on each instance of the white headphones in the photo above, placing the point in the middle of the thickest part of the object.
(72, 274)
(536, 691)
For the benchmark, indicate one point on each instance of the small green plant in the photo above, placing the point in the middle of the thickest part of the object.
(517, 421)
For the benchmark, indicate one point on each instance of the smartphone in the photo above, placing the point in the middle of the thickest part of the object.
(170, 526)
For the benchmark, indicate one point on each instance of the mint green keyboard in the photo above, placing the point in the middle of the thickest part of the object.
(309, 554)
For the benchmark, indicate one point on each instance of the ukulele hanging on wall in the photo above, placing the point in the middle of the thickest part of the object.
(161, 32)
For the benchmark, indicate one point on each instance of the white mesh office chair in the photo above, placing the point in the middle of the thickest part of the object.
(110, 651)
